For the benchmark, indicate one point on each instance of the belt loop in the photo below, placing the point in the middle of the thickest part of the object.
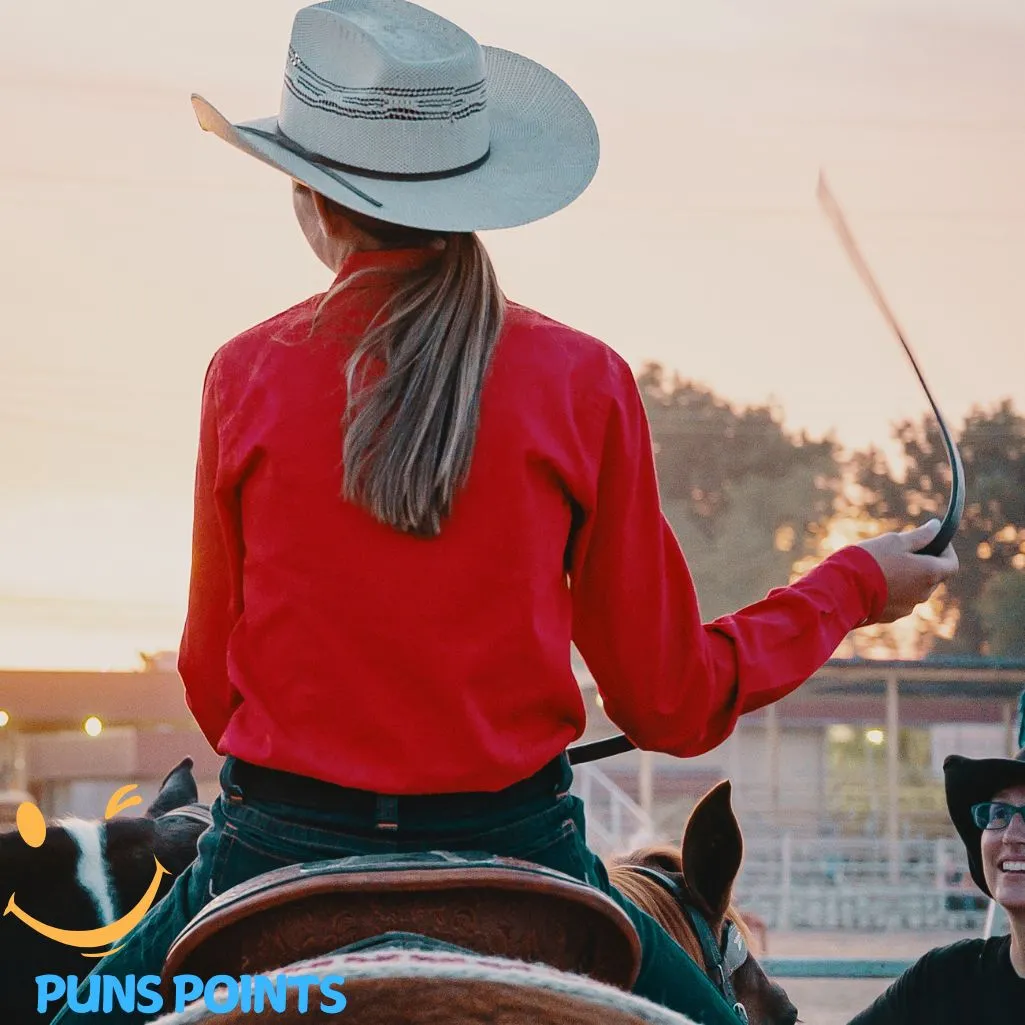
(564, 784)
(386, 812)
(232, 791)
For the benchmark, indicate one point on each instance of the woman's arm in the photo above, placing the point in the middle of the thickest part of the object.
(669, 681)
(215, 586)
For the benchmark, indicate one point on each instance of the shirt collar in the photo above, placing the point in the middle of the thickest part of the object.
(357, 303)
(383, 260)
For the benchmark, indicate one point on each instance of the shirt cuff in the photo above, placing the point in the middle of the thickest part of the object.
(858, 584)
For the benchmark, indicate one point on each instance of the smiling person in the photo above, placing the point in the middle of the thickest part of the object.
(413, 495)
(976, 981)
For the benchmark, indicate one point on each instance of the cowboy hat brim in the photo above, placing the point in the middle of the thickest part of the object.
(544, 153)
(970, 781)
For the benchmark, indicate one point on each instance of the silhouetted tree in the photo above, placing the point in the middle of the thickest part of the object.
(1001, 607)
(745, 497)
(991, 542)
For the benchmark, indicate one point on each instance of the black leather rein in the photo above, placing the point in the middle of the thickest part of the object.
(721, 959)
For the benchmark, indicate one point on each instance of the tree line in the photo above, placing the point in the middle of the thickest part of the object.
(753, 504)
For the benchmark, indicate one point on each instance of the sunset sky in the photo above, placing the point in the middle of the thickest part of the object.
(134, 244)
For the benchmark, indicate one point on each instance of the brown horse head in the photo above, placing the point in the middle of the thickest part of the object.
(701, 875)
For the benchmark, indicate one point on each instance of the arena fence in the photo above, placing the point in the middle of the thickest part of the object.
(833, 967)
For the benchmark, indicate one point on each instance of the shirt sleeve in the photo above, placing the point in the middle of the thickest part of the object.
(920, 996)
(669, 681)
(214, 603)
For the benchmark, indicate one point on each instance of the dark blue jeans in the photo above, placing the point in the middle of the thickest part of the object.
(251, 836)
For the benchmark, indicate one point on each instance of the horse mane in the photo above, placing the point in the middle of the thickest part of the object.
(658, 902)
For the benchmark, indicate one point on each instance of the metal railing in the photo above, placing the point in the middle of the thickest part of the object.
(859, 884)
(615, 822)
(834, 967)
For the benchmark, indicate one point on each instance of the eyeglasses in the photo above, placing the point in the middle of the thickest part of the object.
(996, 814)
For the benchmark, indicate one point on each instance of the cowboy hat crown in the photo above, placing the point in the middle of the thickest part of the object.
(409, 99)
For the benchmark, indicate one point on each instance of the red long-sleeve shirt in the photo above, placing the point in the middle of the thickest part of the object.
(321, 642)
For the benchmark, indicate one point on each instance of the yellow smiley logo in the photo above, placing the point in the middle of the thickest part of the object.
(32, 828)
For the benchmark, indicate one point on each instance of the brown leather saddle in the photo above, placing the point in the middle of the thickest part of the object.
(484, 905)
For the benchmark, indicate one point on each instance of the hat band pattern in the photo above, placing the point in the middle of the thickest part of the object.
(377, 103)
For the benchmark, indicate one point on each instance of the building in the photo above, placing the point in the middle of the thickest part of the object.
(146, 729)
(820, 762)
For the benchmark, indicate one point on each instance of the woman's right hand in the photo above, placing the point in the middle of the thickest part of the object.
(910, 578)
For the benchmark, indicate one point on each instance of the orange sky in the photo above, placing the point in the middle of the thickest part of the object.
(135, 245)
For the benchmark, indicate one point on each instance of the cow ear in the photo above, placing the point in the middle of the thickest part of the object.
(177, 790)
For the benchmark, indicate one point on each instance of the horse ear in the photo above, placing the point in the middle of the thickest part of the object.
(178, 789)
(713, 849)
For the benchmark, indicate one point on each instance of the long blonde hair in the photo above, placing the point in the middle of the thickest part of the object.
(410, 433)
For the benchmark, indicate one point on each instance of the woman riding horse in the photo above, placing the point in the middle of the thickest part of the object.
(412, 495)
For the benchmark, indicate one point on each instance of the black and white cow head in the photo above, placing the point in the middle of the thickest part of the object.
(86, 874)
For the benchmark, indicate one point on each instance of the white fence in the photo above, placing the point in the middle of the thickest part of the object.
(859, 884)
(615, 822)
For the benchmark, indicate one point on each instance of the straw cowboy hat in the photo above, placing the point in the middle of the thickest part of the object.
(394, 112)
(972, 781)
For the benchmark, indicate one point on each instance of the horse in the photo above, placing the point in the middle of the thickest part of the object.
(689, 892)
(681, 889)
(85, 874)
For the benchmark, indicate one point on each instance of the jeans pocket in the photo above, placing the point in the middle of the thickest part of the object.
(240, 857)
(219, 857)
(254, 842)
(551, 838)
